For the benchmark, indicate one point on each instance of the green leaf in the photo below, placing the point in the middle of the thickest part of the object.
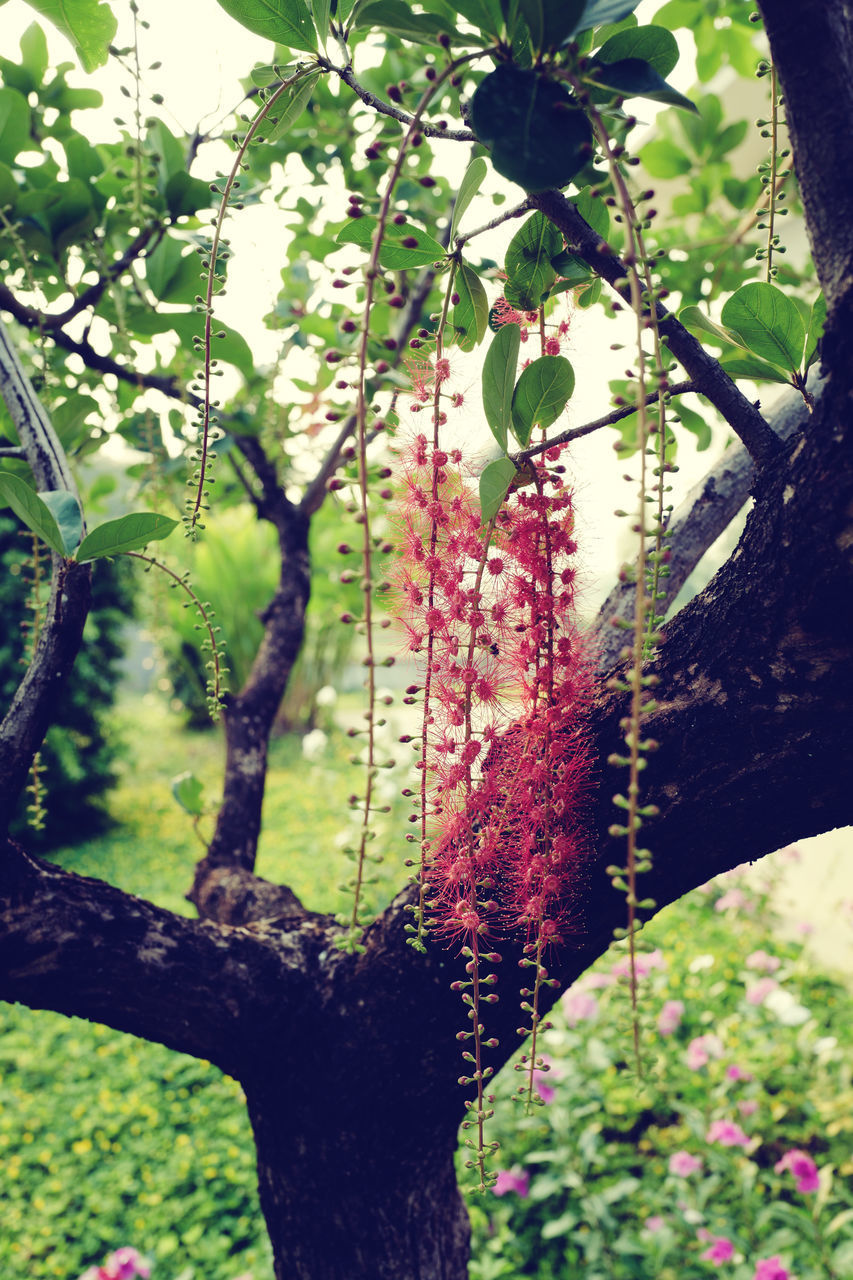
(541, 394)
(499, 369)
(171, 274)
(539, 136)
(88, 24)
(700, 325)
(597, 13)
(633, 78)
(232, 348)
(468, 188)
(322, 12)
(470, 317)
(664, 159)
(528, 262)
(127, 533)
(593, 210)
(270, 73)
(483, 14)
(185, 195)
(768, 323)
(288, 109)
(747, 366)
(14, 123)
(65, 510)
(494, 486)
(286, 22)
(188, 790)
(814, 331)
(34, 55)
(591, 295)
(9, 187)
(654, 45)
(395, 253)
(30, 508)
(572, 270)
(397, 18)
(694, 423)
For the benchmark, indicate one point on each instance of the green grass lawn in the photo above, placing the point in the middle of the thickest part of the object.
(106, 1140)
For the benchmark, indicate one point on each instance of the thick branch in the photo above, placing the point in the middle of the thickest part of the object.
(705, 372)
(706, 511)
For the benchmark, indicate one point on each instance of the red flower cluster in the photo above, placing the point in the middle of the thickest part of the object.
(504, 759)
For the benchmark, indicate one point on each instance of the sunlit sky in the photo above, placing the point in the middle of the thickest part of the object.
(203, 54)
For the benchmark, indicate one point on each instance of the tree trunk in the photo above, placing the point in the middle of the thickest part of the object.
(344, 1200)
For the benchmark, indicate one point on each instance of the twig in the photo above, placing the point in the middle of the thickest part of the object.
(710, 379)
(497, 221)
(396, 113)
(609, 420)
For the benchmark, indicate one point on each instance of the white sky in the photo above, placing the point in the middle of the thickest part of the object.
(203, 53)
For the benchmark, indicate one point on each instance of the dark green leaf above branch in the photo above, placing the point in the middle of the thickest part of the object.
(538, 135)
(287, 22)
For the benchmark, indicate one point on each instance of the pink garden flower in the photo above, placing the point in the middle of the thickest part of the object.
(655, 1223)
(645, 962)
(733, 900)
(804, 1169)
(734, 1072)
(579, 1006)
(125, 1264)
(682, 1164)
(763, 961)
(670, 1017)
(760, 990)
(720, 1250)
(545, 1080)
(727, 1134)
(771, 1269)
(701, 1050)
(748, 1106)
(515, 1180)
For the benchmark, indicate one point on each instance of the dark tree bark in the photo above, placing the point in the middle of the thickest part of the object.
(350, 1062)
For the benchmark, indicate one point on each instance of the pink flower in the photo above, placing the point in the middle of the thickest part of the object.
(761, 960)
(670, 1016)
(682, 1163)
(654, 1223)
(702, 1049)
(516, 1180)
(720, 1251)
(727, 1133)
(544, 1081)
(747, 1106)
(759, 991)
(124, 1264)
(734, 1072)
(644, 962)
(732, 900)
(579, 1006)
(771, 1269)
(804, 1169)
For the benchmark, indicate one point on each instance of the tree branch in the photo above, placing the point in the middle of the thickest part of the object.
(387, 109)
(608, 420)
(27, 719)
(709, 378)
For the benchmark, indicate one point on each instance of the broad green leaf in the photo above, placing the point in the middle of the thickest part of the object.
(572, 270)
(322, 11)
(232, 347)
(692, 422)
(664, 159)
(171, 274)
(499, 369)
(768, 323)
(470, 316)
(814, 331)
(288, 109)
(286, 22)
(538, 135)
(397, 18)
(34, 55)
(695, 320)
(593, 210)
(88, 24)
(29, 508)
(559, 19)
(270, 73)
(9, 187)
(483, 14)
(590, 296)
(14, 123)
(528, 262)
(468, 188)
(402, 247)
(633, 78)
(185, 195)
(541, 394)
(65, 510)
(654, 45)
(127, 533)
(747, 366)
(494, 486)
(188, 790)
(597, 13)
